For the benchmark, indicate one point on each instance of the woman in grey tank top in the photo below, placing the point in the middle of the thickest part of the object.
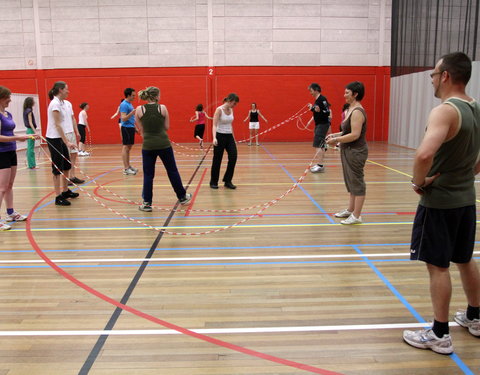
(354, 152)
(223, 139)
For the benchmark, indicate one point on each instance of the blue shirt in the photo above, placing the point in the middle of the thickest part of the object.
(127, 107)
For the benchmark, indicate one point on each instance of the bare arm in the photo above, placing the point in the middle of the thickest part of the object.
(216, 118)
(116, 113)
(264, 119)
(356, 121)
(14, 138)
(207, 116)
(477, 167)
(194, 119)
(138, 123)
(164, 111)
(441, 122)
(246, 118)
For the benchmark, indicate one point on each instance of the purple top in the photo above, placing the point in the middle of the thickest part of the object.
(7, 125)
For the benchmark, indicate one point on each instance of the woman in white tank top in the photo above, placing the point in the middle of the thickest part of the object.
(223, 139)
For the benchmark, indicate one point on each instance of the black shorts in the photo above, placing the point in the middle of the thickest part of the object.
(320, 133)
(8, 159)
(82, 130)
(441, 236)
(199, 130)
(59, 154)
(128, 136)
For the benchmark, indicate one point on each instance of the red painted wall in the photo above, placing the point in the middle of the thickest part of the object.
(278, 91)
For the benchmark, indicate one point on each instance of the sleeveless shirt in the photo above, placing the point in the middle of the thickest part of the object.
(346, 128)
(7, 125)
(455, 161)
(224, 125)
(154, 133)
(201, 118)
(253, 116)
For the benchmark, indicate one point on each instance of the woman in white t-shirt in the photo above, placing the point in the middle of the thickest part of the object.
(83, 127)
(58, 143)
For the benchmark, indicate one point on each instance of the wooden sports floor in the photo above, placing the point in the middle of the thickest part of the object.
(102, 288)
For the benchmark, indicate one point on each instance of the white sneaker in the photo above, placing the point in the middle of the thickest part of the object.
(317, 169)
(426, 339)
(133, 169)
(344, 213)
(352, 220)
(472, 325)
(15, 216)
(129, 172)
(4, 226)
(146, 206)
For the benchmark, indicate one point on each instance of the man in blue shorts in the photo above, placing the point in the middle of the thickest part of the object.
(128, 128)
(444, 170)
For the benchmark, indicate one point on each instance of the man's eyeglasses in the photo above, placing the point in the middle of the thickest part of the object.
(435, 73)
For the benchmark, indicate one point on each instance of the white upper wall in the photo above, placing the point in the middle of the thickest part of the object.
(51, 34)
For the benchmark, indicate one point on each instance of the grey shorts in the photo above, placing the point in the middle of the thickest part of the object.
(353, 164)
(319, 135)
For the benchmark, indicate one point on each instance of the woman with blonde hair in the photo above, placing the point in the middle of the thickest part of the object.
(153, 122)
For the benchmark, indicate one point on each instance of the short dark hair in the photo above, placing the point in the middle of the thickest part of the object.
(83, 105)
(199, 108)
(358, 88)
(128, 91)
(315, 87)
(458, 65)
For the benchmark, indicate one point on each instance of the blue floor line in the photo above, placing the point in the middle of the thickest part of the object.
(410, 308)
(301, 187)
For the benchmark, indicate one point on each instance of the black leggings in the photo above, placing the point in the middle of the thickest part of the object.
(225, 142)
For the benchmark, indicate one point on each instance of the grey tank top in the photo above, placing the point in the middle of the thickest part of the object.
(224, 124)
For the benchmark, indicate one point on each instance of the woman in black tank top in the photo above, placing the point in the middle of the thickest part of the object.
(254, 124)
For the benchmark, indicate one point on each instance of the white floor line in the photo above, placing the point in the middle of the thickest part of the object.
(123, 332)
(210, 259)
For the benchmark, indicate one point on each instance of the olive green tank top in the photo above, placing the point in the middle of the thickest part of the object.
(154, 133)
(455, 161)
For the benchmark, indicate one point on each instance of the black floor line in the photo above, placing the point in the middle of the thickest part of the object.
(92, 357)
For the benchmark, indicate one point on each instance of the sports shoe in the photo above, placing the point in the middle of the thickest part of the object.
(344, 213)
(69, 194)
(76, 180)
(129, 172)
(146, 206)
(187, 198)
(133, 169)
(317, 169)
(83, 153)
(4, 226)
(472, 325)
(15, 216)
(426, 339)
(61, 201)
(352, 220)
(229, 185)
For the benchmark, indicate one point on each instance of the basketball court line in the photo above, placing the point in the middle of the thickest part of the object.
(209, 331)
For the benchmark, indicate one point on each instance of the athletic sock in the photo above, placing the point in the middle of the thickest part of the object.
(10, 211)
(440, 328)
(473, 312)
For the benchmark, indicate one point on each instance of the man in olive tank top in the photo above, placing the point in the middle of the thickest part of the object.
(444, 170)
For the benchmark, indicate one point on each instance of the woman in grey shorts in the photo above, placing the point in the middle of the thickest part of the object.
(354, 152)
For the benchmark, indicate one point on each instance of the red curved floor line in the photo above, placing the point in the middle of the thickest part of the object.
(153, 319)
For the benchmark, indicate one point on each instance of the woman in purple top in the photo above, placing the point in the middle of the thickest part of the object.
(199, 117)
(8, 158)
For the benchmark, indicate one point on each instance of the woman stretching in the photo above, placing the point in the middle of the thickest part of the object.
(153, 121)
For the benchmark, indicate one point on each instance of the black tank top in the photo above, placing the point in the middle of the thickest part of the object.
(253, 116)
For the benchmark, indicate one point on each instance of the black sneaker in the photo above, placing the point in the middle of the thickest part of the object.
(187, 198)
(213, 186)
(61, 201)
(229, 185)
(69, 194)
(76, 180)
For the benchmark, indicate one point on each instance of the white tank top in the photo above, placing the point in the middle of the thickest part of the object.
(82, 117)
(224, 124)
